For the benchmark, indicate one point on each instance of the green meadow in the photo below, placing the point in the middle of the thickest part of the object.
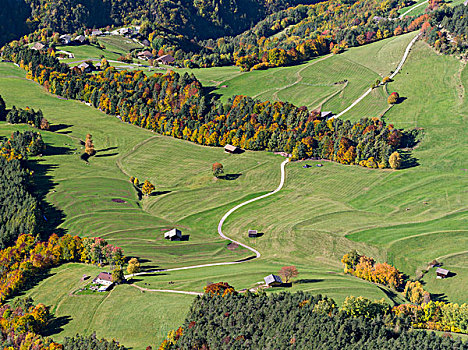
(407, 217)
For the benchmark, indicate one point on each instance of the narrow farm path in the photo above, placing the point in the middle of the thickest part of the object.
(220, 232)
(411, 9)
(397, 70)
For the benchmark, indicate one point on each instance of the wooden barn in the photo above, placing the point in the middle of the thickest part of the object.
(230, 149)
(173, 235)
(253, 233)
(442, 273)
(273, 281)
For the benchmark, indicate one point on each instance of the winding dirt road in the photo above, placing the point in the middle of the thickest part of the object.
(220, 232)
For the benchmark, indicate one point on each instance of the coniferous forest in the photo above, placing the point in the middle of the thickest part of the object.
(295, 321)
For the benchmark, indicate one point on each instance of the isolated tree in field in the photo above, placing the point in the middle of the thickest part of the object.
(218, 169)
(147, 188)
(395, 160)
(288, 272)
(89, 146)
(136, 182)
(133, 266)
(386, 80)
(393, 98)
(44, 124)
(118, 275)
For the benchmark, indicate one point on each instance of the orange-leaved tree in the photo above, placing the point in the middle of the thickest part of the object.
(217, 169)
(220, 288)
(288, 272)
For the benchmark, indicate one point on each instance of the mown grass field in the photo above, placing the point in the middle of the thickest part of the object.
(125, 313)
(332, 82)
(408, 217)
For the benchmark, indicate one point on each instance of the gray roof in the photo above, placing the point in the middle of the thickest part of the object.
(83, 65)
(173, 233)
(80, 38)
(442, 271)
(272, 278)
(253, 231)
(325, 114)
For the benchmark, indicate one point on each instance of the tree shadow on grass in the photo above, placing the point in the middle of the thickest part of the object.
(439, 297)
(106, 155)
(401, 100)
(390, 294)
(58, 127)
(55, 325)
(159, 193)
(52, 217)
(308, 280)
(229, 177)
(106, 149)
(57, 151)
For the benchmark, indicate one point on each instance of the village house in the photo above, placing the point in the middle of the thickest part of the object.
(145, 55)
(104, 278)
(96, 32)
(79, 40)
(65, 39)
(442, 273)
(125, 31)
(173, 235)
(273, 281)
(165, 59)
(38, 46)
(85, 67)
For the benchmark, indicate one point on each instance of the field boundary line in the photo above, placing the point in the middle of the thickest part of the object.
(299, 77)
(133, 150)
(165, 290)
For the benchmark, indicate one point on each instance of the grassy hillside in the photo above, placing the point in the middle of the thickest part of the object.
(408, 217)
(332, 82)
(125, 314)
